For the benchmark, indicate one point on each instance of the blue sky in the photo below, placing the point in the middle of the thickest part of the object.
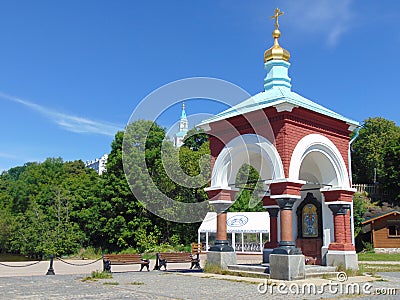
(72, 72)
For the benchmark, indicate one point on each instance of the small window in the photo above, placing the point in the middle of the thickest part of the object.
(394, 230)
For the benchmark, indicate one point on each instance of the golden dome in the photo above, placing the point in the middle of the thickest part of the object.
(276, 51)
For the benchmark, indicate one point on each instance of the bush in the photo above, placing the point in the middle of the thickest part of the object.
(215, 269)
(368, 247)
(129, 250)
(98, 275)
(89, 253)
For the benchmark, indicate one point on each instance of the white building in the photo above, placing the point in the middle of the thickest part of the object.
(99, 164)
(246, 231)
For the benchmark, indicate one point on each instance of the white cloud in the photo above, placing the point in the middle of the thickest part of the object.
(331, 18)
(68, 122)
(7, 155)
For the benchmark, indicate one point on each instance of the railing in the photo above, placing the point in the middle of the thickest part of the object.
(50, 271)
(370, 189)
(248, 247)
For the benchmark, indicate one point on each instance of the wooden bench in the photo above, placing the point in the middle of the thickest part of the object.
(165, 258)
(124, 259)
(196, 249)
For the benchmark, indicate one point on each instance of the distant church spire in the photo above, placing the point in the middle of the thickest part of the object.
(183, 128)
(183, 116)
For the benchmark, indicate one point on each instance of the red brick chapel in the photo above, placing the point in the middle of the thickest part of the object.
(301, 151)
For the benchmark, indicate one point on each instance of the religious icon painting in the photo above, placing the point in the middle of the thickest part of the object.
(310, 220)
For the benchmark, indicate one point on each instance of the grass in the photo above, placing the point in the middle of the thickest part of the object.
(373, 269)
(327, 276)
(378, 257)
(368, 269)
(111, 283)
(88, 253)
(362, 270)
(98, 275)
(210, 268)
(349, 272)
(136, 283)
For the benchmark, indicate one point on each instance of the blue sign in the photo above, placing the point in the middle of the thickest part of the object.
(237, 221)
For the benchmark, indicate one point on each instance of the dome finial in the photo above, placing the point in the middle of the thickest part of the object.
(276, 51)
(277, 14)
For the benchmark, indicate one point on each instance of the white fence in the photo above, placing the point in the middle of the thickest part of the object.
(370, 189)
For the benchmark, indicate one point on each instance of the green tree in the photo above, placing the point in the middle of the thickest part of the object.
(247, 199)
(369, 149)
(361, 204)
(391, 170)
(195, 138)
(178, 174)
(45, 204)
(6, 225)
(125, 221)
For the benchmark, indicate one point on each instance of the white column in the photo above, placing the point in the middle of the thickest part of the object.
(233, 241)
(261, 242)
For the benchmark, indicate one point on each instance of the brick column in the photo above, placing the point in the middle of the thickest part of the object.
(286, 193)
(221, 226)
(347, 227)
(286, 245)
(221, 199)
(339, 202)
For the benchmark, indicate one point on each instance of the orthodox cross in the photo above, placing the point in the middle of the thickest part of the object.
(277, 14)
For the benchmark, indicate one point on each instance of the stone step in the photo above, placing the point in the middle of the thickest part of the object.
(322, 275)
(250, 274)
(263, 270)
(255, 268)
(249, 268)
(319, 269)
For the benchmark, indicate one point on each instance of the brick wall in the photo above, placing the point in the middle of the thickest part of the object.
(286, 128)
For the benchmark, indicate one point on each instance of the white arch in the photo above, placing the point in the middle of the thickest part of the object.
(252, 149)
(318, 143)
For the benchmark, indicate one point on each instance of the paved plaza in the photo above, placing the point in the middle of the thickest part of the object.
(178, 283)
(154, 285)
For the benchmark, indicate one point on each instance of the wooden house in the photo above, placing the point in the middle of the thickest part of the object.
(384, 231)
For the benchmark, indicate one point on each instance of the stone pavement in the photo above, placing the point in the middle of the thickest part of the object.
(128, 284)
(157, 285)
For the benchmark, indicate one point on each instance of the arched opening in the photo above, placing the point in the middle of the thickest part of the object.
(318, 162)
(250, 149)
(247, 221)
(247, 150)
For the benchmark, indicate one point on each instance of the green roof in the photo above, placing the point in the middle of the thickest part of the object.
(378, 216)
(273, 97)
(181, 133)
